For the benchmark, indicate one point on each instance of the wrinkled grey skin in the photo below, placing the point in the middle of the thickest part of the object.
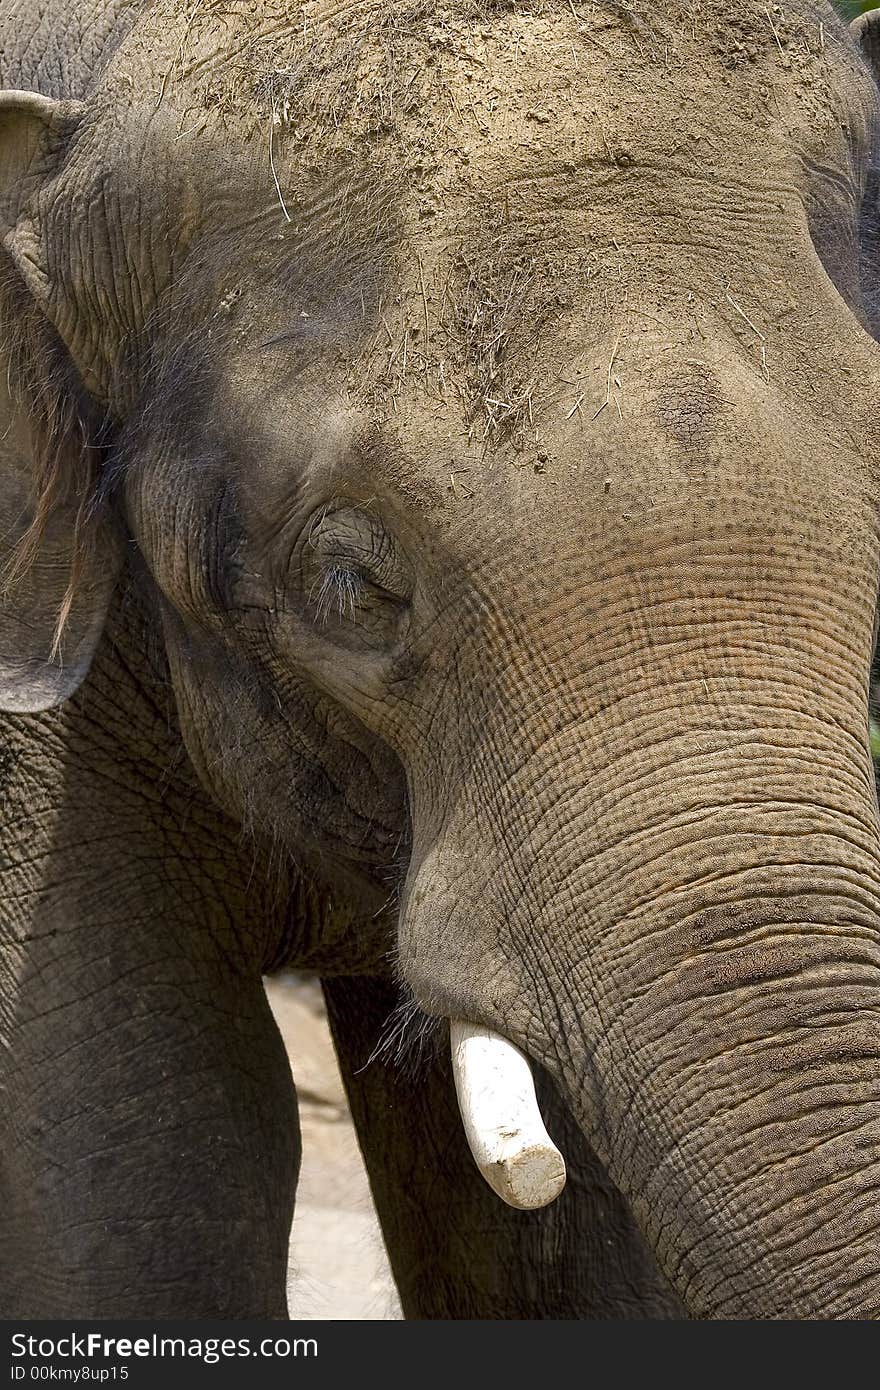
(470, 494)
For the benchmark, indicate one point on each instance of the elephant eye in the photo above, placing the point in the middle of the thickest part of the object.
(356, 583)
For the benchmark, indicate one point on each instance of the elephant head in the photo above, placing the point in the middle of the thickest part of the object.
(485, 402)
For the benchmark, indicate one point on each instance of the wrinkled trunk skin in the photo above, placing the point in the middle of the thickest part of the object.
(691, 894)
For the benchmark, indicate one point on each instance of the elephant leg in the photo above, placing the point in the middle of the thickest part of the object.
(456, 1250)
(150, 1139)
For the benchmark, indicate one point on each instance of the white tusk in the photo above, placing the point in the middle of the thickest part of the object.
(499, 1109)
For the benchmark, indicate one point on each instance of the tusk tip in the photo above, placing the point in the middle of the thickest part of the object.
(532, 1177)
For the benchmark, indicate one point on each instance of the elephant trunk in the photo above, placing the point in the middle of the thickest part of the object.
(655, 869)
(748, 1136)
(708, 996)
(734, 1101)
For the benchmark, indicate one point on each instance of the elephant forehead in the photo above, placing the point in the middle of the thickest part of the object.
(689, 405)
(463, 217)
(464, 100)
(479, 172)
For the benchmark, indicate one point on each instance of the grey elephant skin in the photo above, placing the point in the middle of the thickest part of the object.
(440, 540)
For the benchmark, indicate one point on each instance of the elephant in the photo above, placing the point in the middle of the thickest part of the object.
(440, 511)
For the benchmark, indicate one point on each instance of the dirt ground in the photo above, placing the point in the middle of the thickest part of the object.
(338, 1265)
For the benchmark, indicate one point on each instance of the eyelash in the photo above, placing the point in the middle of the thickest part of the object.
(338, 590)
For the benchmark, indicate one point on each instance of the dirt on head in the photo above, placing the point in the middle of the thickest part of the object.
(466, 175)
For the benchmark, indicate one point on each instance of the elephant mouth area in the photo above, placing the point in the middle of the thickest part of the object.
(313, 928)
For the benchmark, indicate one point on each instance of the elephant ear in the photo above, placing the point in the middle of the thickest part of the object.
(865, 29)
(58, 561)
